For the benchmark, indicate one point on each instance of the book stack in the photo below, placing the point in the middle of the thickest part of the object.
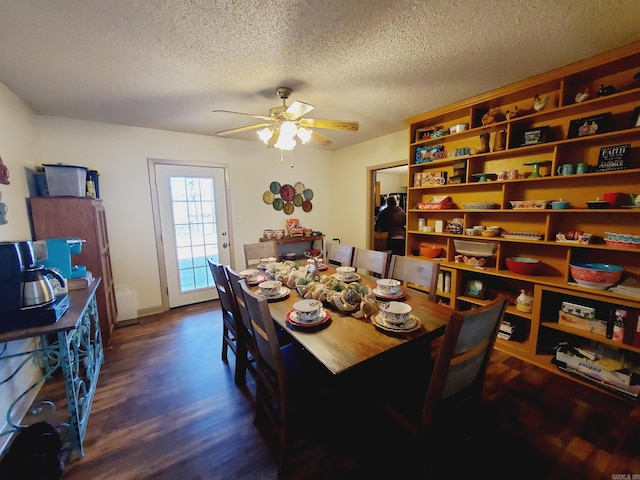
(508, 330)
(80, 283)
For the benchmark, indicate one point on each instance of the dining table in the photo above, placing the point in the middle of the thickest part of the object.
(344, 341)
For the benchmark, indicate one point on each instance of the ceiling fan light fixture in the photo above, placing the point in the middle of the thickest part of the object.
(304, 134)
(265, 135)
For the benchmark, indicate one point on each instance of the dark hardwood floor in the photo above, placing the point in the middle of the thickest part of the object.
(166, 407)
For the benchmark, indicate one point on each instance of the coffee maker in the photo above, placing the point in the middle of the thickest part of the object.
(26, 295)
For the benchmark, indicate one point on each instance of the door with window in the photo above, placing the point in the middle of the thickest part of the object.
(192, 207)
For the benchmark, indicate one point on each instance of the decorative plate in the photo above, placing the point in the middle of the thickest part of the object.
(308, 194)
(307, 206)
(409, 326)
(288, 208)
(268, 197)
(287, 192)
(292, 318)
(278, 204)
(299, 188)
(284, 291)
(297, 200)
(275, 187)
(389, 296)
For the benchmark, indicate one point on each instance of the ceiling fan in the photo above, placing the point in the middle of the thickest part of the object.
(285, 123)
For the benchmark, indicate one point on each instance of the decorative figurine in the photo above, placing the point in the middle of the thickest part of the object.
(604, 91)
(4, 173)
(492, 116)
(524, 302)
(585, 95)
(540, 102)
(513, 113)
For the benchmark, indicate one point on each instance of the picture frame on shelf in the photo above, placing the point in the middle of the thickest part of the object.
(582, 127)
(635, 119)
(423, 133)
(475, 289)
(614, 157)
(536, 136)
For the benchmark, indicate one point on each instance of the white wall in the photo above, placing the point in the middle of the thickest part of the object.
(19, 148)
(120, 154)
(349, 217)
(392, 182)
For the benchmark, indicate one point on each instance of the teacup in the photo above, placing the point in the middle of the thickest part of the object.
(251, 275)
(345, 272)
(395, 312)
(307, 310)
(566, 169)
(388, 286)
(270, 288)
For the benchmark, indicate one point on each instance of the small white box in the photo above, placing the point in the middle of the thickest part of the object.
(439, 225)
(66, 180)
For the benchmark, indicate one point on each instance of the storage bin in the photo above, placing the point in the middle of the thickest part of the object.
(66, 180)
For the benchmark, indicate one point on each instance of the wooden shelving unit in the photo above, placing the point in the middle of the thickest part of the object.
(463, 152)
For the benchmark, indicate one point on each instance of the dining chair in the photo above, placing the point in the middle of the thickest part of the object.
(340, 254)
(373, 261)
(232, 326)
(438, 402)
(416, 271)
(253, 252)
(289, 385)
(246, 334)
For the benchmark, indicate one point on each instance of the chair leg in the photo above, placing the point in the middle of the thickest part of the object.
(240, 376)
(225, 335)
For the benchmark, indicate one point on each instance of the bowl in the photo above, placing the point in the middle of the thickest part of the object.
(251, 274)
(460, 127)
(270, 288)
(388, 286)
(474, 262)
(596, 275)
(395, 312)
(307, 310)
(522, 265)
(268, 233)
(560, 205)
(490, 232)
(429, 251)
(345, 272)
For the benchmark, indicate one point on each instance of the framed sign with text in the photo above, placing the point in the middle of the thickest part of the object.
(613, 158)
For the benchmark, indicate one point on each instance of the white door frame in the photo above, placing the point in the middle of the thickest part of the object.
(155, 208)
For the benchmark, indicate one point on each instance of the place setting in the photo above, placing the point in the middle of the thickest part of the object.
(308, 314)
(273, 290)
(346, 274)
(396, 317)
(388, 289)
(253, 277)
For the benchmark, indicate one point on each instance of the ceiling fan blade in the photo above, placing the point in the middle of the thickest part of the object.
(321, 139)
(330, 124)
(243, 129)
(261, 117)
(296, 110)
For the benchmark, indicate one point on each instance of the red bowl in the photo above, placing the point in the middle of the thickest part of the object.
(430, 251)
(522, 265)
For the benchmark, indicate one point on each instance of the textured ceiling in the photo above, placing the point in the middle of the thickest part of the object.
(167, 64)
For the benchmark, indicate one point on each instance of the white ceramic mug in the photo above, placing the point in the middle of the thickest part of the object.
(396, 312)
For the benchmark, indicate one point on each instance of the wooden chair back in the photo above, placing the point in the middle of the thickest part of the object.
(339, 254)
(461, 364)
(253, 252)
(374, 262)
(416, 271)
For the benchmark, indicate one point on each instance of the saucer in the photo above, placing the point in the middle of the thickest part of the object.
(411, 325)
(284, 291)
(355, 278)
(391, 296)
(292, 318)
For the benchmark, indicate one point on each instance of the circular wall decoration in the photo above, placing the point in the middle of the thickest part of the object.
(287, 192)
(308, 194)
(288, 208)
(268, 197)
(288, 196)
(275, 187)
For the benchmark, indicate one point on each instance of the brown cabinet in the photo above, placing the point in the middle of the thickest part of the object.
(68, 217)
(492, 159)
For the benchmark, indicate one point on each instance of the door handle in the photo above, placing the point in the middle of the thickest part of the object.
(225, 245)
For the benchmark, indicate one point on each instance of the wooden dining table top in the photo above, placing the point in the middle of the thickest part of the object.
(345, 341)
